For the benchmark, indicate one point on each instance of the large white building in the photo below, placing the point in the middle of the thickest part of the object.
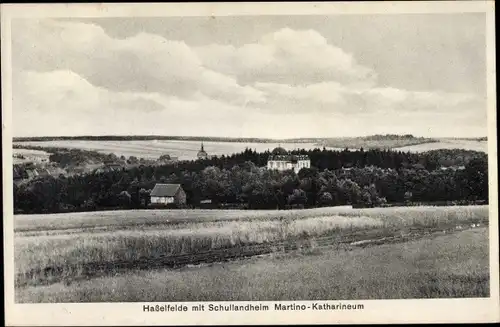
(281, 160)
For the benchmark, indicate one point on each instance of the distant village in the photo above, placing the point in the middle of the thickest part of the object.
(247, 180)
(28, 166)
(173, 194)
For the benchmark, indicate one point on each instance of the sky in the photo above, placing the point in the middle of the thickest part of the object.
(251, 76)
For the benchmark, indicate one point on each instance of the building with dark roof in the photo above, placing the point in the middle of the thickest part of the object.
(279, 151)
(164, 194)
(281, 159)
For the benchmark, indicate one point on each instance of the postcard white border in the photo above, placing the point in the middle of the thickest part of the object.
(376, 311)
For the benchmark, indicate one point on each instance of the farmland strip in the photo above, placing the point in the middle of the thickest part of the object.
(361, 238)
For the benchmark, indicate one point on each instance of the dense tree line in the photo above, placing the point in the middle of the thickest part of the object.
(320, 158)
(337, 177)
(332, 160)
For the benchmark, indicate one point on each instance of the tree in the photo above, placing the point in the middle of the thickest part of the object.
(125, 198)
(366, 198)
(325, 199)
(240, 178)
(408, 196)
(351, 192)
(298, 197)
(144, 198)
(132, 160)
(89, 204)
(476, 172)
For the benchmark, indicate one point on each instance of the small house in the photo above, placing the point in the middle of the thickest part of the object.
(165, 194)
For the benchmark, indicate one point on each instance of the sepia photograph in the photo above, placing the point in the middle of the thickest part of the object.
(246, 162)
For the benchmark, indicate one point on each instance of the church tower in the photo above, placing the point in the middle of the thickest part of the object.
(202, 154)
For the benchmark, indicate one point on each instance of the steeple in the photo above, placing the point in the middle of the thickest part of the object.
(202, 154)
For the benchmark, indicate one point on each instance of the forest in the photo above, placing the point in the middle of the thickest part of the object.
(363, 178)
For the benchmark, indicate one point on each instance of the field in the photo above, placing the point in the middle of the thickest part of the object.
(142, 218)
(481, 146)
(359, 142)
(187, 150)
(29, 155)
(152, 149)
(446, 266)
(70, 257)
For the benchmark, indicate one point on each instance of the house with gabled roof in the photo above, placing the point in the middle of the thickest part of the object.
(165, 194)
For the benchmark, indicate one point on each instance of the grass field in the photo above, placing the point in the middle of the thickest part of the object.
(70, 243)
(187, 150)
(481, 146)
(445, 266)
(184, 150)
(29, 155)
(357, 143)
(141, 218)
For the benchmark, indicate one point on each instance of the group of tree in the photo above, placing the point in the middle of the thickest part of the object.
(367, 178)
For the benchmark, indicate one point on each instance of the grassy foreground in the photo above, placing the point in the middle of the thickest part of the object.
(37, 253)
(45, 223)
(453, 265)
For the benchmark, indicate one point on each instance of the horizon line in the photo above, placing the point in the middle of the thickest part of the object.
(241, 137)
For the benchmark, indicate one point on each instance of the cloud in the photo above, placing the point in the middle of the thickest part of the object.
(72, 78)
(63, 103)
(142, 63)
(335, 98)
(65, 92)
(288, 57)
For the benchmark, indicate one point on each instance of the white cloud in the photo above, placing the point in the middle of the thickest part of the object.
(64, 103)
(64, 92)
(142, 63)
(288, 57)
(72, 78)
(333, 97)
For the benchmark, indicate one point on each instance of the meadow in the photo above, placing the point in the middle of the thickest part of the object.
(29, 155)
(385, 143)
(187, 150)
(71, 244)
(123, 219)
(481, 146)
(447, 266)
(152, 149)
